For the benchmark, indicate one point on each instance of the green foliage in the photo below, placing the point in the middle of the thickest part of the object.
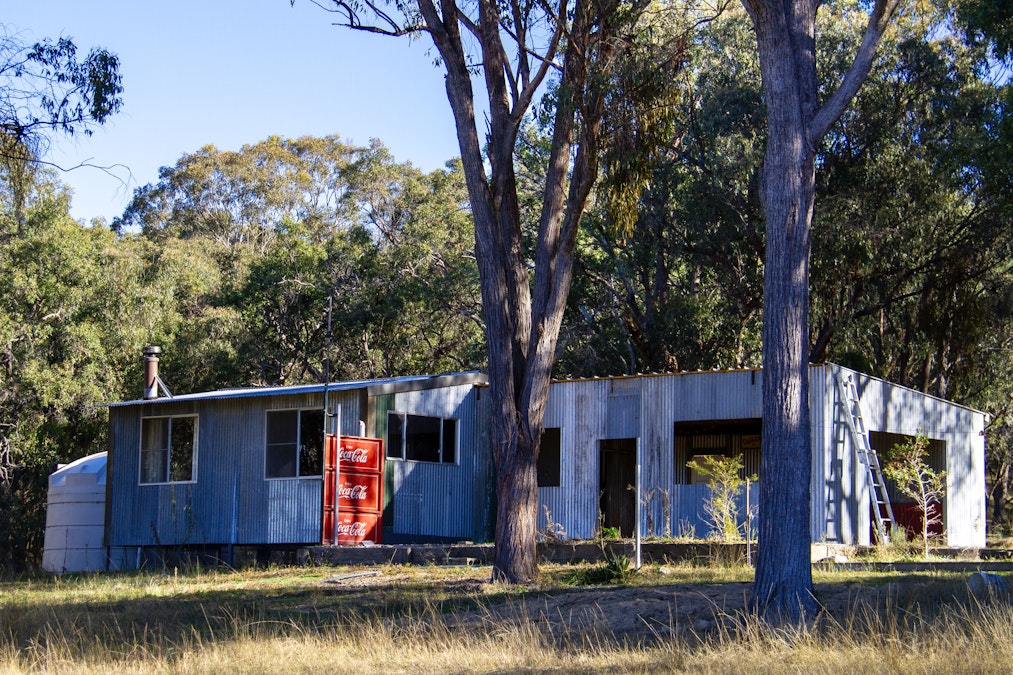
(725, 481)
(261, 239)
(988, 22)
(911, 243)
(682, 290)
(44, 87)
(640, 115)
(616, 568)
(610, 533)
(55, 342)
(909, 469)
(910, 235)
(247, 197)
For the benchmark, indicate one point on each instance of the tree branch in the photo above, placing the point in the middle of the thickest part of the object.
(834, 107)
(352, 20)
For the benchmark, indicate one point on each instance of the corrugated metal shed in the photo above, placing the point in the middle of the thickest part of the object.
(676, 415)
(229, 499)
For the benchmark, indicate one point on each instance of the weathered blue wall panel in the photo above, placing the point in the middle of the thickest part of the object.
(437, 500)
(230, 500)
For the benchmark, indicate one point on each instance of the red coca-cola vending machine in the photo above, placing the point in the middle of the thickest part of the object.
(353, 490)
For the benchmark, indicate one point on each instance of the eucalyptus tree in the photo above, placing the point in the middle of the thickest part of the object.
(988, 22)
(241, 198)
(51, 350)
(912, 246)
(514, 50)
(45, 89)
(683, 288)
(55, 349)
(400, 280)
(797, 123)
(248, 247)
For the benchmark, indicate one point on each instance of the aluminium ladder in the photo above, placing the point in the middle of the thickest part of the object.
(867, 456)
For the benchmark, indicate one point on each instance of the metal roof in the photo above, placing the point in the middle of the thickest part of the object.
(388, 385)
(722, 371)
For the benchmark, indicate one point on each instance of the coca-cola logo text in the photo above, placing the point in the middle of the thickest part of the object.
(354, 455)
(356, 529)
(355, 492)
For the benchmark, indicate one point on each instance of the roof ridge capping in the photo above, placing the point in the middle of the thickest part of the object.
(373, 387)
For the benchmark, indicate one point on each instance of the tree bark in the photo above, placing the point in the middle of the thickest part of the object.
(785, 36)
(783, 584)
(523, 311)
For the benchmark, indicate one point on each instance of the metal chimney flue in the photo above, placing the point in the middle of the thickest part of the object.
(151, 371)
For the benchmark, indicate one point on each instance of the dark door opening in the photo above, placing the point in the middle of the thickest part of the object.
(617, 484)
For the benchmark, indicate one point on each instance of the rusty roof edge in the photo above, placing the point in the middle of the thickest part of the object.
(680, 373)
(429, 382)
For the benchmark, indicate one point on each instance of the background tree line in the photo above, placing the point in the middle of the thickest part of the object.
(229, 263)
(229, 260)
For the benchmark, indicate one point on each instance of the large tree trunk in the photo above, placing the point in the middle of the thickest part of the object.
(523, 311)
(796, 124)
(516, 516)
(783, 585)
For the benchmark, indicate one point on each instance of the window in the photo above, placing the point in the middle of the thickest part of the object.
(295, 443)
(167, 449)
(548, 458)
(421, 439)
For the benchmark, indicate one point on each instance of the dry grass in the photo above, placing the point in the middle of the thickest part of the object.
(429, 620)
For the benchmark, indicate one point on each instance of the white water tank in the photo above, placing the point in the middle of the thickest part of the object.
(75, 517)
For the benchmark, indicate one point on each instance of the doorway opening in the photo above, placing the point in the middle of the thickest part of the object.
(617, 480)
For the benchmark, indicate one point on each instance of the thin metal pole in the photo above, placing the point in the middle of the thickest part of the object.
(749, 518)
(327, 366)
(329, 426)
(639, 509)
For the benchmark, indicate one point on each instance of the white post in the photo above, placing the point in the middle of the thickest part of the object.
(639, 508)
(749, 517)
(336, 426)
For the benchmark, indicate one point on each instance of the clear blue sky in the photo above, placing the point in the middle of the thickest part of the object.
(232, 72)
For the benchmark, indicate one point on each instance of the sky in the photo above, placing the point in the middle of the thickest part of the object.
(230, 73)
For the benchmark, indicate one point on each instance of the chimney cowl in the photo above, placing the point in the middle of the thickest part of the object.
(151, 371)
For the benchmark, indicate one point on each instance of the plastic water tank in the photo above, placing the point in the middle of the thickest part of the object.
(75, 517)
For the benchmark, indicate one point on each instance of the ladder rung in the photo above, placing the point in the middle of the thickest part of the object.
(851, 403)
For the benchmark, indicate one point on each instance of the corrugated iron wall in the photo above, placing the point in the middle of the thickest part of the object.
(437, 500)
(650, 406)
(895, 409)
(578, 410)
(230, 501)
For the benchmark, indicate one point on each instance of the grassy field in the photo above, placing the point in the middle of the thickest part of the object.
(436, 620)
